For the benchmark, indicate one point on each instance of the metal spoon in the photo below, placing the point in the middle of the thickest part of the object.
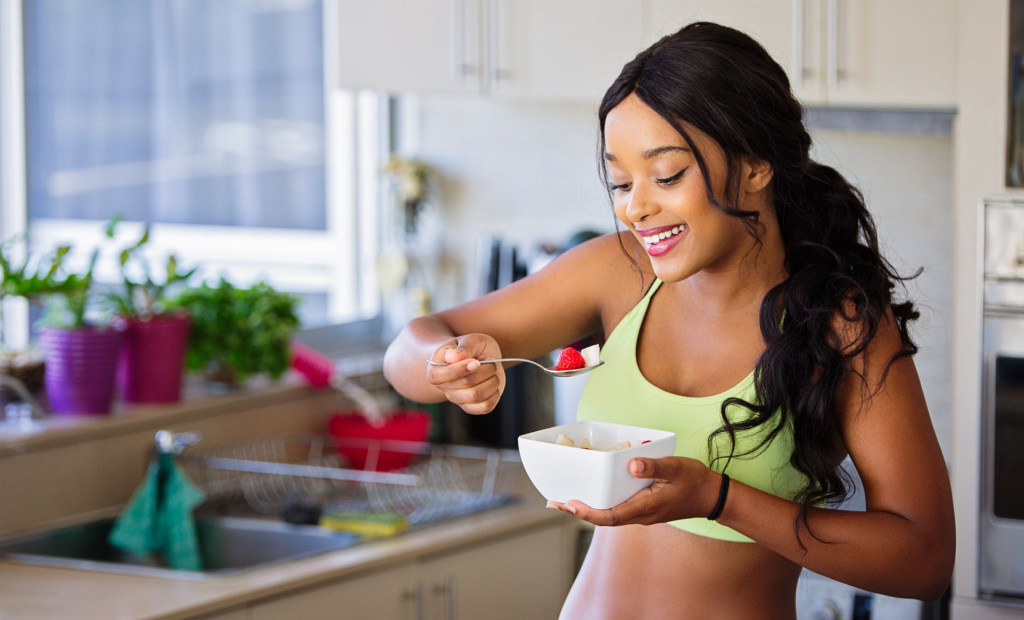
(550, 371)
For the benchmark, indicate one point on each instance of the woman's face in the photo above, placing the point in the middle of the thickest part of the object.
(659, 193)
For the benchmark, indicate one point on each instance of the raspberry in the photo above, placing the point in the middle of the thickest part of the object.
(570, 359)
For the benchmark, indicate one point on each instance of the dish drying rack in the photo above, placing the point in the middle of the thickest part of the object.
(442, 481)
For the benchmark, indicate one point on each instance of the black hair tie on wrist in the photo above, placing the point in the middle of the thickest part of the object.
(717, 512)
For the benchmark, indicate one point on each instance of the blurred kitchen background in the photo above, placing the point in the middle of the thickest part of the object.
(381, 160)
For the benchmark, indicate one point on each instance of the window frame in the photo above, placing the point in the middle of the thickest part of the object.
(341, 259)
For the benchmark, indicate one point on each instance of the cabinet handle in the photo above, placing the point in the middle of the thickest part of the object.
(499, 72)
(460, 67)
(417, 596)
(447, 590)
(833, 43)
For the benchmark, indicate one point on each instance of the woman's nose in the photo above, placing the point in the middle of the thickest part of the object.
(641, 205)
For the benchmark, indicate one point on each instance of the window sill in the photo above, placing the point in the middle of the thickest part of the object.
(197, 403)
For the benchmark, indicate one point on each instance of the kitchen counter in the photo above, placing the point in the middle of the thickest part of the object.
(45, 593)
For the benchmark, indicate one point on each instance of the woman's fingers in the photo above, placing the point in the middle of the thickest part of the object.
(473, 386)
(475, 394)
(442, 375)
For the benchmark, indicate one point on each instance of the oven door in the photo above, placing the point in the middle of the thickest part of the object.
(1001, 563)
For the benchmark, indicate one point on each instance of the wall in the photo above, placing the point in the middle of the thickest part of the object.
(980, 133)
(528, 173)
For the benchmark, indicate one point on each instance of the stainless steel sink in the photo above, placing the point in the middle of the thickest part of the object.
(229, 546)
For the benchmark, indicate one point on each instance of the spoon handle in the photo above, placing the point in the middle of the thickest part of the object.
(504, 359)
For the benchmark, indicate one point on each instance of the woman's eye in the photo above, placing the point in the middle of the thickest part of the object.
(672, 179)
(622, 186)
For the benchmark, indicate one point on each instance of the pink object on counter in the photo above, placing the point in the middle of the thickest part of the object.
(317, 368)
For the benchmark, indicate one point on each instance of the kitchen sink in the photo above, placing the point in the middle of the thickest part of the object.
(229, 546)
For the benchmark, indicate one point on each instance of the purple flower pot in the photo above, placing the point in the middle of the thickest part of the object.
(152, 359)
(80, 365)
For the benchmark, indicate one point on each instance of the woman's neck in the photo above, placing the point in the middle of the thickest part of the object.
(739, 284)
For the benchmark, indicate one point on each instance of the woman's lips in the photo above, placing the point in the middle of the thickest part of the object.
(664, 245)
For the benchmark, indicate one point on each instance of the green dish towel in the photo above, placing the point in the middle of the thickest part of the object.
(158, 517)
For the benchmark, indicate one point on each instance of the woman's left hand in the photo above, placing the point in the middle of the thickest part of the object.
(683, 488)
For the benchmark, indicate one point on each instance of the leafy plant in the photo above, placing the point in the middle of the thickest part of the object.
(145, 297)
(45, 278)
(66, 309)
(245, 330)
(34, 279)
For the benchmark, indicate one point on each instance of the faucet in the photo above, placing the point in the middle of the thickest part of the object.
(168, 442)
(25, 413)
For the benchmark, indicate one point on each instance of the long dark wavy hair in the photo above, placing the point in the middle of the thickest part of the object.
(725, 84)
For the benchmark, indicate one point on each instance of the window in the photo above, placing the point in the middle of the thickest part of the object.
(214, 122)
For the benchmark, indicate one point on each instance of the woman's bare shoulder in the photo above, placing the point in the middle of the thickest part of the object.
(618, 272)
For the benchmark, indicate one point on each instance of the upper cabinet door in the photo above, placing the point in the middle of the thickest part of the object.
(891, 54)
(791, 31)
(418, 45)
(570, 50)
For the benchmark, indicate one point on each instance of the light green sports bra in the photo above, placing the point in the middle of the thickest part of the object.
(618, 392)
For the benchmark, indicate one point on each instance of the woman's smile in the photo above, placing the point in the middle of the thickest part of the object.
(661, 240)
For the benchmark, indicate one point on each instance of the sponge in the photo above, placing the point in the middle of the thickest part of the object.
(370, 524)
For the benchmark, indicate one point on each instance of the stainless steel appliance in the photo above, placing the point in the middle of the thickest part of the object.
(1001, 548)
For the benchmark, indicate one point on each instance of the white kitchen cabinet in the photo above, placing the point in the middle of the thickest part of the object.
(524, 575)
(565, 50)
(864, 53)
(390, 594)
(885, 53)
(784, 27)
(569, 50)
(417, 45)
(515, 578)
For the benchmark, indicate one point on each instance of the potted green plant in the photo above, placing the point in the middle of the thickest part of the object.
(149, 369)
(31, 279)
(238, 332)
(81, 353)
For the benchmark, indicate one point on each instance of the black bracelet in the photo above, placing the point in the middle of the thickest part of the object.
(717, 512)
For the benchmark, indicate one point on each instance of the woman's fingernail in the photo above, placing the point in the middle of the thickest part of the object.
(638, 466)
(551, 505)
(473, 365)
(570, 508)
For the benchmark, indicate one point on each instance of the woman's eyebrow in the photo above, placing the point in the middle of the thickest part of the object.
(652, 153)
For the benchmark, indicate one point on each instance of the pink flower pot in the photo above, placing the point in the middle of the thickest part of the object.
(152, 359)
(80, 366)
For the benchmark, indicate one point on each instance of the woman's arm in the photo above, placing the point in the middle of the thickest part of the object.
(902, 545)
(556, 306)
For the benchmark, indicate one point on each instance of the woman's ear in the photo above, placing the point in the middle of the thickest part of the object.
(756, 176)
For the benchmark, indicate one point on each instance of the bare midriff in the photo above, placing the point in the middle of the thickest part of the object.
(660, 572)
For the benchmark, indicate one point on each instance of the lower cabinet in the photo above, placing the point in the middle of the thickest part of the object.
(520, 576)
(387, 594)
(513, 579)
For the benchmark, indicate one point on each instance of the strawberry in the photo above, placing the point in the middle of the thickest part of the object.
(570, 359)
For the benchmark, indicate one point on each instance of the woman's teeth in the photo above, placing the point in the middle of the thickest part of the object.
(651, 240)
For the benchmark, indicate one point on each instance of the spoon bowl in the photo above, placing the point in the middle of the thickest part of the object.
(550, 371)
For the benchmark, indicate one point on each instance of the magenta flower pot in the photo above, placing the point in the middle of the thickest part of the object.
(152, 359)
(80, 366)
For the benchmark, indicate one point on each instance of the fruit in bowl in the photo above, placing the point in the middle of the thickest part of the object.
(597, 475)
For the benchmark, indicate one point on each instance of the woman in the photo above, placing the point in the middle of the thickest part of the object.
(745, 307)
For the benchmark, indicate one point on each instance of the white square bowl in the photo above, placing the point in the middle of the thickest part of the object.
(595, 477)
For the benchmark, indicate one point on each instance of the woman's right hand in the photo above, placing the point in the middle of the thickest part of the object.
(465, 381)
